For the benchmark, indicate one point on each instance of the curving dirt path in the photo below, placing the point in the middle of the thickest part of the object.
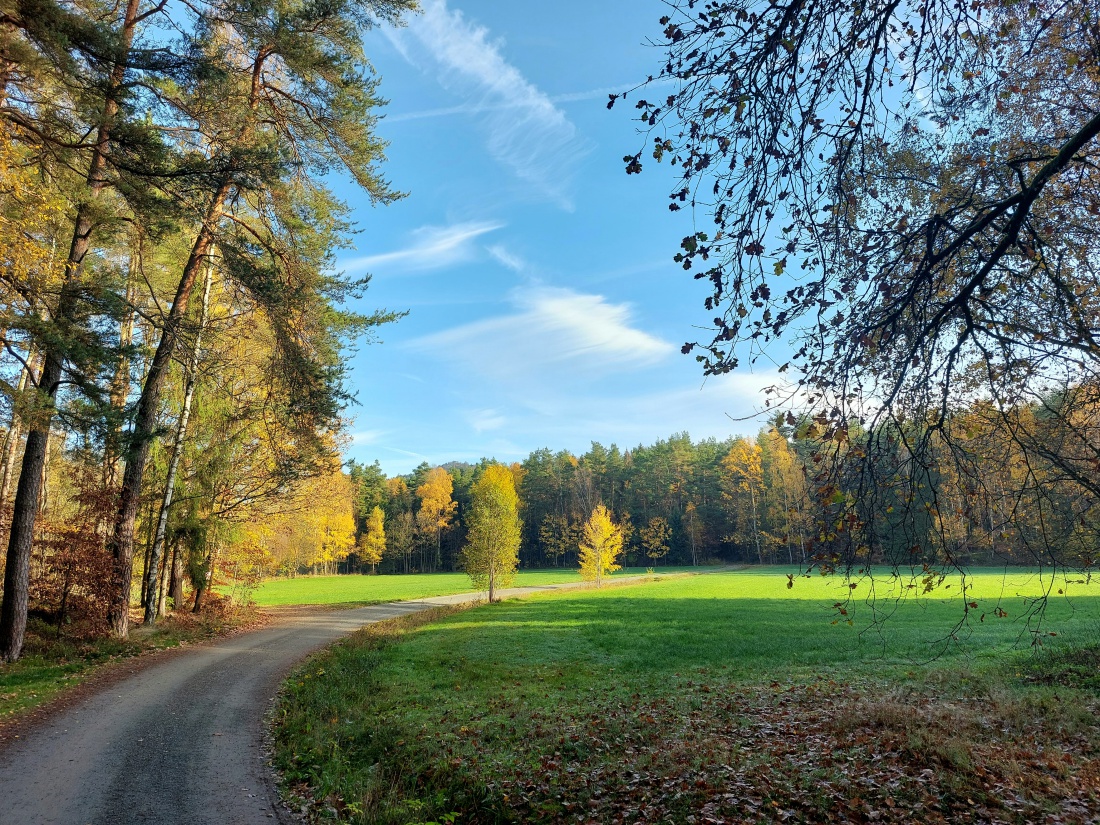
(182, 740)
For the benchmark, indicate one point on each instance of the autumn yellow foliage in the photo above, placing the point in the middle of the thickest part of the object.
(372, 545)
(601, 544)
(318, 530)
(491, 555)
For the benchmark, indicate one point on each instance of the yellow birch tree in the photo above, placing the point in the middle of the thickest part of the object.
(436, 506)
(373, 543)
(601, 543)
(491, 555)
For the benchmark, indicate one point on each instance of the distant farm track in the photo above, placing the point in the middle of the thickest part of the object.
(180, 741)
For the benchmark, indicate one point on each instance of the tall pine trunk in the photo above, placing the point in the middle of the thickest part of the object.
(120, 381)
(152, 603)
(121, 542)
(13, 612)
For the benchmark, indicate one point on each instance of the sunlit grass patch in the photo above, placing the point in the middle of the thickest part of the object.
(718, 694)
(357, 589)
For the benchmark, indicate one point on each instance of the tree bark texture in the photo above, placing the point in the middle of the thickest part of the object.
(13, 612)
(121, 542)
(152, 602)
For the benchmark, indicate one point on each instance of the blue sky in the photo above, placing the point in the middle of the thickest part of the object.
(544, 305)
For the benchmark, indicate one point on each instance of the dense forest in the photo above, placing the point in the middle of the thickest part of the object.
(794, 494)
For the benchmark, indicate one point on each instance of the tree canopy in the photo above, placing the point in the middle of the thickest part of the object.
(903, 202)
(906, 190)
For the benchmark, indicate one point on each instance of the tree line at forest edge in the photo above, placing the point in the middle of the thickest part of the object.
(760, 501)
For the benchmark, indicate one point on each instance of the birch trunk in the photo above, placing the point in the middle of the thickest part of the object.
(152, 603)
(121, 542)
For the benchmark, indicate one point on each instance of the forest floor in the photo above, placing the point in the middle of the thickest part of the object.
(722, 698)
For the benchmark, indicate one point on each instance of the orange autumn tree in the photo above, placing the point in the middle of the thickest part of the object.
(437, 508)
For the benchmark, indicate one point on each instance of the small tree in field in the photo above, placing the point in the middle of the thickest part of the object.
(655, 537)
(491, 555)
(373, 542)
(601, 543)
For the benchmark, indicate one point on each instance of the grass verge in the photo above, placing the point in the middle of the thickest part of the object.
(724, 698)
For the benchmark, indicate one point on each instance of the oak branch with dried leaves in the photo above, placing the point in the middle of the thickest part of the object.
(902, 203)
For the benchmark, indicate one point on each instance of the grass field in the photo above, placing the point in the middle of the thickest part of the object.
(726, 697)
(358, 590)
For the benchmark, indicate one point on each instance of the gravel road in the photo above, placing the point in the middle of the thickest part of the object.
(180, 741)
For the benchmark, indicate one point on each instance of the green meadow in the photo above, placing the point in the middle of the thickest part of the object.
(352, 590)
(729, 693)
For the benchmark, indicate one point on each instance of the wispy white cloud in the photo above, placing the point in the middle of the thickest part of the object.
(486, 420)
(551, 328)
(476, 108)
(364, 437)
(505, 258)
(430, 247)
(525, 130)
(721, 406)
